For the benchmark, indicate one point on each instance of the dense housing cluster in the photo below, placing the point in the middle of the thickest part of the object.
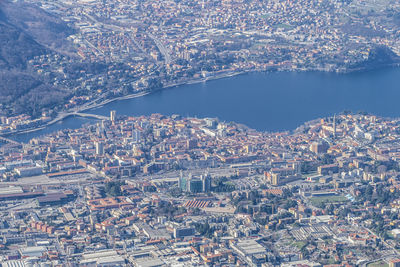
(173, 191)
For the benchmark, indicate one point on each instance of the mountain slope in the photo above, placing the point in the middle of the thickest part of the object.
(26, 32)
(44, 28)
(16, 47)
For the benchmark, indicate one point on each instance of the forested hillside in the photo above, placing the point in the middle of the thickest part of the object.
(26, 32)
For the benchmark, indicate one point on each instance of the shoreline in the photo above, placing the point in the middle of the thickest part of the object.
(222, 76)
(176, 84)
(169, 86)
(126, 97)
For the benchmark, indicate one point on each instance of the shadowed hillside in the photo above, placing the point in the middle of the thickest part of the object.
(16, 47)
(26, 32)
(378, 57)
(43, 27)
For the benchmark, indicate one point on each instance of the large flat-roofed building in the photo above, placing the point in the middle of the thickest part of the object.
(29, 171)
(32, 251)
(10, 190)
(54, 198)
(248, 247)
(147, 262)
(20, 163)
(102, 258)
(183, 231)
(150, 232)
(253, 252)
(16, 192)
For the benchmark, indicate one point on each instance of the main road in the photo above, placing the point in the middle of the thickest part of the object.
(163, 50)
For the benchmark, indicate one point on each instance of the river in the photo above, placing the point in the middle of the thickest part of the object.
(264, 101)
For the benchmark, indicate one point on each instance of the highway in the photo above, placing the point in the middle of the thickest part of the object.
(162, 48)
(113, 27)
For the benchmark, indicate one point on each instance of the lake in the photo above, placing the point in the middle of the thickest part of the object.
(264, 101)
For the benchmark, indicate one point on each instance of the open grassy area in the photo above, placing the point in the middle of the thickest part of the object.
(284, 26)
(380, 263)
(299, 244)
(316, 201)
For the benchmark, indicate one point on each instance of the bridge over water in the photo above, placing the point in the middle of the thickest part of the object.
(7, 140)
(94, 116)
(63, 116)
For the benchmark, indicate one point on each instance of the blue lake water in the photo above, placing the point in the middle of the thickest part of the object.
(264, 101)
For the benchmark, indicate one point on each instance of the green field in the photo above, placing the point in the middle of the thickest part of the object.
(284, 26)
(380, 263)
(316, 201)
(299, 244)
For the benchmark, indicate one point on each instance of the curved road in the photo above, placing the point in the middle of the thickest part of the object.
(162, 48)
